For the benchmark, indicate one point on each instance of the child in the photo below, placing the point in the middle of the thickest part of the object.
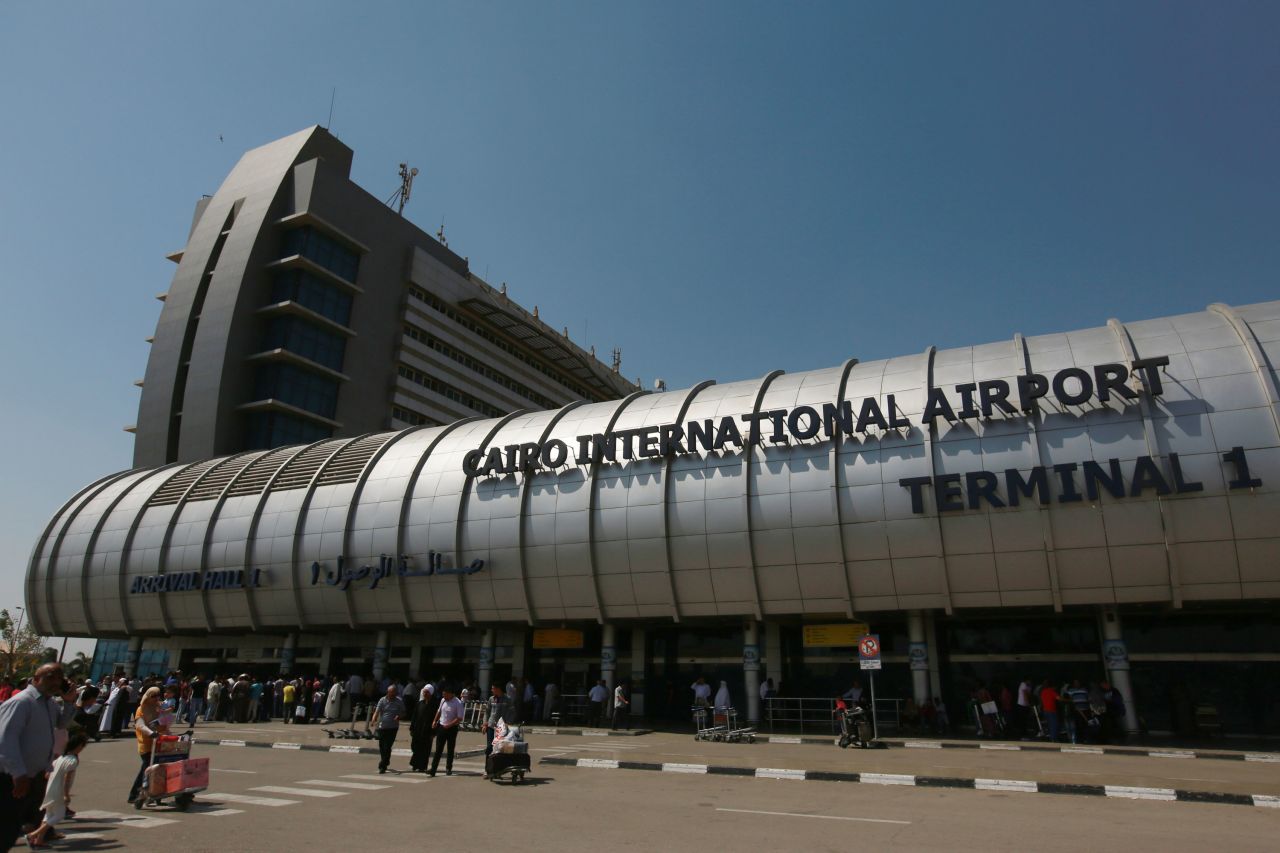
(57, 794)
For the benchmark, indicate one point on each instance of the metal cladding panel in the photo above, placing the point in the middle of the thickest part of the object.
(809, 525)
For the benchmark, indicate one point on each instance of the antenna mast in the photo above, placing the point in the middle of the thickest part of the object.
(406, 187)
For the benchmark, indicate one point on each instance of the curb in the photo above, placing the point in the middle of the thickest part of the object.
(1121, 792)
(1269, 757)
(539, 730)
(320, 747)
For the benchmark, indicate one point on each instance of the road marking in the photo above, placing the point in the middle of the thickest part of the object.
(383, 778)
(299, 792)
(221, 812)
(613, 745)
(229, 770)
(684, 768)
(886, 779)
(818, 816)
(778, 773)
(355, 786)
(601, 763)
(135, 821)
(248, 800)
(403, 751)
(923, 744)
(1266, 801)
(351, 750)
(1129, 793)
(73, 837)
(1005, 785)
(1172, 754)
(286, 746)
(1269, 757)
(1007, 746)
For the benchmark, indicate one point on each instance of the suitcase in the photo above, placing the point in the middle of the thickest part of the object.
(498, 763)
(511, 747)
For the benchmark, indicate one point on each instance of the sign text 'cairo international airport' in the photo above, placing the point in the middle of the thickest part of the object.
(1073, 386)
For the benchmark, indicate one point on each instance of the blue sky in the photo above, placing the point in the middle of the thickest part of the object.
(719, 188)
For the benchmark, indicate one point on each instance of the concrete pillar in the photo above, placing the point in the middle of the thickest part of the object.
(486, 662)
(1115, 657)
(751, 668)
(638, 666)
(415, 662)
(325, 665)
(918, 655)
(288, 653)
(931, 637)
(380, 651)
(132, 656)
(608, 663)
(773, 652)
(517, 654)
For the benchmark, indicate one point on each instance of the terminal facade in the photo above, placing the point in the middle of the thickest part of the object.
(1092, 504)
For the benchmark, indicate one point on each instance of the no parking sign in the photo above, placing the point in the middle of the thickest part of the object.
(869, 652)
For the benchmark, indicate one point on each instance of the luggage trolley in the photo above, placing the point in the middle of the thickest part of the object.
(735, 733)
(473, 715)
(702, 731)
(173, 773)
(510, 756)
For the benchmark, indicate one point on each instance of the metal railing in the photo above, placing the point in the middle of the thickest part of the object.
(816, 715)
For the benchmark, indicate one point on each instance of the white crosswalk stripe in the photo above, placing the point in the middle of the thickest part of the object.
(137, 821)
(355, 786)
(298, 792)
(248, 800)
(219, 812)
(389, 777)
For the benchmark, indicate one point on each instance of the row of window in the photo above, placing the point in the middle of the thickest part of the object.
(479, 367)
(312, 292)
(444, 389)
(291, 384)
(324, 250)
(467, 323)
(311, 342)
(410, 417)
(267, 430)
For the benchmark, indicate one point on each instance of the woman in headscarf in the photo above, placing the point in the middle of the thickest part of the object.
(723, 700)
(420, 731)
(146, 725)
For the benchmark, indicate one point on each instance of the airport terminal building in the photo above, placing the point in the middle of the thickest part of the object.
(318, 490)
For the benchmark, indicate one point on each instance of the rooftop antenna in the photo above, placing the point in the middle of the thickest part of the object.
(440, 234)
(406, 187)
(617, 359)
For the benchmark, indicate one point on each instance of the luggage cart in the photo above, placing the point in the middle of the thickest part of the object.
(735, 733)
(173, 774)
(703, 731)
(509, 758)
(473, 715)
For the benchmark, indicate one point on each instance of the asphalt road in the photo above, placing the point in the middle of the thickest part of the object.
(259, 797)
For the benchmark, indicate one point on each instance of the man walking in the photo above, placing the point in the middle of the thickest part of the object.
(446, 722)
(386, 718)
(596, 697)
(27, 723)
(621, 707)
(499, 709)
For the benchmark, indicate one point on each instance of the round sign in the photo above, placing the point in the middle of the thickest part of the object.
(868, 647)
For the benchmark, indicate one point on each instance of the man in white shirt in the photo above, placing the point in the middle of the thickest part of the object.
(621, 707)
(447, 719)
(1024, 707)
(595, 700)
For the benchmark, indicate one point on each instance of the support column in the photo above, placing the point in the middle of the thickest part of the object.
(608, 663)
(486, 663)
(931, 637)
(380, 645)
(288, 653)
(638, 665)
(132, 656)
(751, 668)
(1115, 657)
(416, 670)
(918, 655)
(773, 652)
(325, 665)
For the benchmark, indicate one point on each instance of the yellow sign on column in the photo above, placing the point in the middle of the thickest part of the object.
(843, 634)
